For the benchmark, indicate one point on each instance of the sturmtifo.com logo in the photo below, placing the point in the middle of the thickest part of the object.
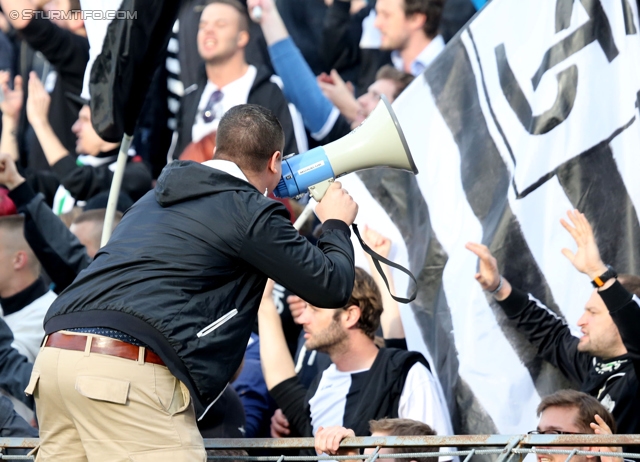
(73, 14)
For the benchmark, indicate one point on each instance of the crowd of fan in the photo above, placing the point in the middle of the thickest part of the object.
(321, 67)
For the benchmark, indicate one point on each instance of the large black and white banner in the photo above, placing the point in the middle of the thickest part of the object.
(532, 110)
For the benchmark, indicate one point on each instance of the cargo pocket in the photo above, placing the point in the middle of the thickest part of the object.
(33, 381)
(103, 389)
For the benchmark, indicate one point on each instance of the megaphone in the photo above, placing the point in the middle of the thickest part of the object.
(377, 142)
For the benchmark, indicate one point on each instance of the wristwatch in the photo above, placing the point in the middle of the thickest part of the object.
(604, 277)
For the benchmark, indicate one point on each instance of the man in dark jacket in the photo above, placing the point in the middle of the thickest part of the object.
(605, 360)
(179, 285)
(226, 80)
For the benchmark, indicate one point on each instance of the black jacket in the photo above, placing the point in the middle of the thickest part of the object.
(613, 381)
(185, 269)
(263, 92)
(378, 399)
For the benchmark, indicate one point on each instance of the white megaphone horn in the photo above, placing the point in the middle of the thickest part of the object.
(377, 142)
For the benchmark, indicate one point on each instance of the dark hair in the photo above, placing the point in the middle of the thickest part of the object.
(366, 296)
(431, 8)
(631, 282)
(248, 135)
(587, 407)
(406, 427)
(399, 78)
(239, 7)
(74, 5)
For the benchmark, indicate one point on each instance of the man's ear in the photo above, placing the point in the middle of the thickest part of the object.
(352, 317)
(275, 158)
(20, 260)
(417, 21)
(214, 151)
(243, 39)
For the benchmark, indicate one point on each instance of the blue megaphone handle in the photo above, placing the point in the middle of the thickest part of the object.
(303, 170)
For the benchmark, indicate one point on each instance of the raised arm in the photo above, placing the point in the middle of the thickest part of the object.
(279, 371)
(277, 363)
(623, 306)
(300, 86)
(545, 330)
(324, 274)
(60, 252)
(38, 114)
(390, 320)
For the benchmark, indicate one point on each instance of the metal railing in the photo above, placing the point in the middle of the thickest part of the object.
(505, 448)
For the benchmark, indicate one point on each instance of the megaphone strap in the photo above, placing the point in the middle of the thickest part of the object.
(379, 258)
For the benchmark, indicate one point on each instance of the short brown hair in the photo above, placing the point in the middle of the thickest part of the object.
(631, 282)
(248, 135)
(431, 8)
(236, 5)
(13, 225)
(399, 78)
(406, 427)
(366, 296)
(96, 217)
(587, 407)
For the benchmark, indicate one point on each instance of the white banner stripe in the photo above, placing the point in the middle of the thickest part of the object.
(487, 360)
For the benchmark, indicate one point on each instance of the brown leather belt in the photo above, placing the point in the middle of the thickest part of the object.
(101, 345)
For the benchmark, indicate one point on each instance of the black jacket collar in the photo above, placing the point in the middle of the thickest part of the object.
(23, 298)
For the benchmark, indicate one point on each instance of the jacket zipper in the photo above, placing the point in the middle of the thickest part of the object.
(217, 323)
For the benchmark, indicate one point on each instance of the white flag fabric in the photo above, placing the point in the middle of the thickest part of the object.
(531, 110)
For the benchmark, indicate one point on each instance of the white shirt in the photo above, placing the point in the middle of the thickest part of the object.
(423, 60)
(234, 94)
(26, 325)
(421, 399)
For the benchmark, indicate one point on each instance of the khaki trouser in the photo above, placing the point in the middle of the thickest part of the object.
(94, 407)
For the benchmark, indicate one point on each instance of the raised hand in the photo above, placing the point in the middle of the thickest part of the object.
(376, 241)
(37, 102)
(488, 274)
(11, 104)
(586, 259)
(600, 427)
(340, 94)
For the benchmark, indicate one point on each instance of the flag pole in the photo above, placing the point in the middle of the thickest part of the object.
(114, 192)
(304, 215)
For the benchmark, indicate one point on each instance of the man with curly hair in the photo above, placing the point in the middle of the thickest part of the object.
(364, 382)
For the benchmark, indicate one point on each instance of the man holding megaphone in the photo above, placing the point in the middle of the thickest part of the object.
(178, 286)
